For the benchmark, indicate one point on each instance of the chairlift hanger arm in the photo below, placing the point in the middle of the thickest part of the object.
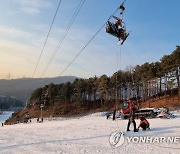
(122, 4)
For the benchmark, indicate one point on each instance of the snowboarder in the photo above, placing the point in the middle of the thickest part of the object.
(144, 124)
(131, 119)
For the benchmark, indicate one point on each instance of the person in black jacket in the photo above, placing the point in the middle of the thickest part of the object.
(131, 119)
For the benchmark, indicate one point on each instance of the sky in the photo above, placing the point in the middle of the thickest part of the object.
(24, 25)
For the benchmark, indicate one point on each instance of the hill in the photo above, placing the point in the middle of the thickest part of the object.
(23, 87)
(73, 110)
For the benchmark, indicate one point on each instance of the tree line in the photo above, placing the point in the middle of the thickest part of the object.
(142, 81)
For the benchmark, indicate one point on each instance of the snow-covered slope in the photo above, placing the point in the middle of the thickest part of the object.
(89, 134)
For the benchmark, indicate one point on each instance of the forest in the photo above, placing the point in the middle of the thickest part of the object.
(142, 82)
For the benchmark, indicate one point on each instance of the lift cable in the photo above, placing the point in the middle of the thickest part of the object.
(64, 35)
(46, 39)
(86, 44)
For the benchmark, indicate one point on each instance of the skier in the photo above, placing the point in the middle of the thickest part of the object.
(131, 119)
(144, 124)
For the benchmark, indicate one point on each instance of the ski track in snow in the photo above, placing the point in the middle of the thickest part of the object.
(88, 134)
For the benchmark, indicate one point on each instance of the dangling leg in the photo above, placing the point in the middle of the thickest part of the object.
(126, 35)
(120, 34)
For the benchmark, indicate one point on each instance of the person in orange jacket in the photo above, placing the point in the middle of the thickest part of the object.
(144, 124)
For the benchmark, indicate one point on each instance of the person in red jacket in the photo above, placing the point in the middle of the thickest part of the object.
(118, 23)
(144, 124)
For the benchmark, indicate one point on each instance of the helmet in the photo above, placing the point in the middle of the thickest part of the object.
(141, 117)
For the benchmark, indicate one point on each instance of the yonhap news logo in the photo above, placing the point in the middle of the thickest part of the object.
(117, 139)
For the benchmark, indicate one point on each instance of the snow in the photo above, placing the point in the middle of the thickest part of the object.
(88, 134)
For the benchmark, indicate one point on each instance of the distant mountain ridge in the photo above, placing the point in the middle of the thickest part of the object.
(23, 87)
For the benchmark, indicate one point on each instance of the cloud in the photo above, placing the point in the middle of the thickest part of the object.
(33, 6)
(14, 33)
(35, 38)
